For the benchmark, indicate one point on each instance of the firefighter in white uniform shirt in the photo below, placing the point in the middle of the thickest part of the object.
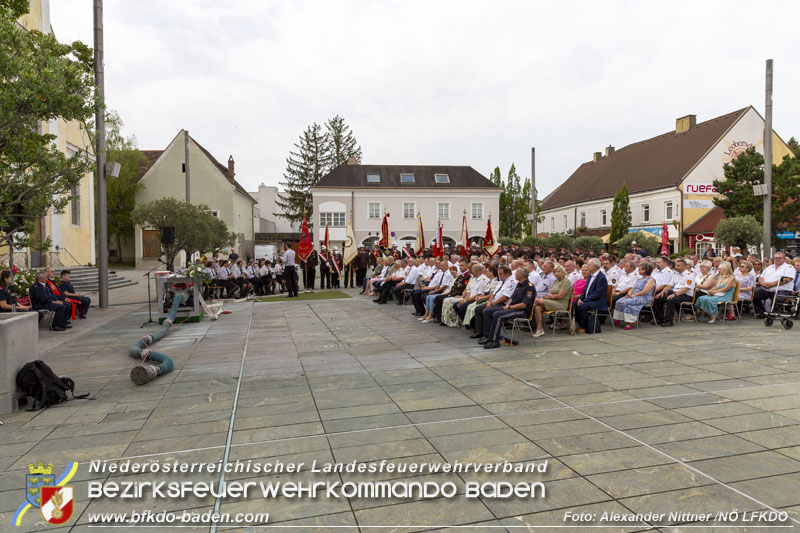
(611, 270)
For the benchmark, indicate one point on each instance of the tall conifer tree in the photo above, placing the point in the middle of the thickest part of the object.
(305, 165)
(342, 144)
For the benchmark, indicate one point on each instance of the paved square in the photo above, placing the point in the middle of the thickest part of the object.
(695, 418)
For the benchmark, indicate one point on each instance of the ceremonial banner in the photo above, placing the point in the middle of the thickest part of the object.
(350, 251)
(438, 248)
(488, 240)
(385, 232)
(306, 244)
(464, 236)
(420, 244)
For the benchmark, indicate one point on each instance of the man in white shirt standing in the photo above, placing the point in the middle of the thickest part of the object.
(775, 280)
(290, 270)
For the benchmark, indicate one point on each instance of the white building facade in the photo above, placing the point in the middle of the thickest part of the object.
(438, 193)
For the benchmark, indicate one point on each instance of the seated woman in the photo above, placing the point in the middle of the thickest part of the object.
(747, 284)
(461, 286)
(5, 295)
(703, 283)
(580, 284)
(721, 292)
(628, 308)
(556, 300)
(491, 272)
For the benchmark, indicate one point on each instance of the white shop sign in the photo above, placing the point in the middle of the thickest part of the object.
(698, 204)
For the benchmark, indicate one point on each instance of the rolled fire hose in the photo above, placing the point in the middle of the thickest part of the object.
(141, 374)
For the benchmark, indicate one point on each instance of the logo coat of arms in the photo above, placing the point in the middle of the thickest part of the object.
(47, 493)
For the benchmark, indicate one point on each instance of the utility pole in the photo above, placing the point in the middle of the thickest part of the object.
(768, 163)
(533, 192)
(100, 158)
(186, 163)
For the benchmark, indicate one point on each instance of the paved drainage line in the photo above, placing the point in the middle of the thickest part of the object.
(233, 419)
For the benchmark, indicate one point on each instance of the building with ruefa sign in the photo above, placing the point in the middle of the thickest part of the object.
(669, 178)
(437, 193)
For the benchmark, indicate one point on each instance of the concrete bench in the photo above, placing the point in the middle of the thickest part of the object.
(19, 344)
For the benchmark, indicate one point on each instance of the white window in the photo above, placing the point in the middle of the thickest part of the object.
(552, 223)
(406, 178)
(441, 178)
(75, 206)
(443, 209)
(374, 210)
(668, 210)
(645, 212)
(477, 211)
(335, 220)
(566, 223)
(213, 212)
(373, 178)
(603, 218)
(583, 218)
(409, 210)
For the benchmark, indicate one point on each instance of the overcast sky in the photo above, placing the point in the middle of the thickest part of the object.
(436, 82)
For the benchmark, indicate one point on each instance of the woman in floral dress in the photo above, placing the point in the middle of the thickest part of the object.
(628, 308)
(722, 292)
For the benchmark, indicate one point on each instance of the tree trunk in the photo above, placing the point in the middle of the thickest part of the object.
(119, 248)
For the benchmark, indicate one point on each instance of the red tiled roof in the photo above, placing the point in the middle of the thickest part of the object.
(655, 163)
(706, 223)
(150, 158)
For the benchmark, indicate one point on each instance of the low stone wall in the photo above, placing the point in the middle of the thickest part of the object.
(19, 344)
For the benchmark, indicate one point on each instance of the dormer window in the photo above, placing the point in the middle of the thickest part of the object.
(373, 178)
(406, 178)
(441, 178)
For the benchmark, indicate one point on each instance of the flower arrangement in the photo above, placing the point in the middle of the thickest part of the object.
(196, 271)
(23, 280)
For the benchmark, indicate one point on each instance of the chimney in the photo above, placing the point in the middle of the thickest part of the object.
(352, 160)
(231, 173)
(609, 150)
(596, 157)
(685, 123)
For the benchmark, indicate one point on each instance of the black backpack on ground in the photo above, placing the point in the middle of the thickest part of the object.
(38, 381)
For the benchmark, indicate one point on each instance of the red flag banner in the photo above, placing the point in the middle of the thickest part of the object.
(464, 236)
(438, 249)
(488, 240)
(385, 231)
(306, 245)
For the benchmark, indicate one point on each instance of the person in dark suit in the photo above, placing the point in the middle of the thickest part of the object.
(594, 295)
(69, 291)
(43, 298)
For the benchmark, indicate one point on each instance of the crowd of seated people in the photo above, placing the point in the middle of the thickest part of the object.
(55, 300)
(578, 291)
(233, 278)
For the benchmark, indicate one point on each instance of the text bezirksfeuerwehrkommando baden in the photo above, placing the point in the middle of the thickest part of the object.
(335, 488)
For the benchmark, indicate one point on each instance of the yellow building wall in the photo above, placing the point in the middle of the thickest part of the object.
(72, 244)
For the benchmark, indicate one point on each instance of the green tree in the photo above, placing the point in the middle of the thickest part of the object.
(794, 146)
(557, 241)
(737, 186)
(589, 243)
(514, 203)
(786, 188)
(304, 167)
(196, 230)
(744, 232)
(342, 144)
(620, 214)
(42, 80)
(121, 190)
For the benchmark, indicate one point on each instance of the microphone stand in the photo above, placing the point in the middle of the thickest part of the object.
(149, 299)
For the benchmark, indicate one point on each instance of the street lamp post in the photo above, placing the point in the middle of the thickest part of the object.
(100, 158)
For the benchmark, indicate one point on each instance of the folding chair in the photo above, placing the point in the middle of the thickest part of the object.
(607, 312)
(560, 313)
(515, 326)
(691, 305)
(734, 301)
(652, 310)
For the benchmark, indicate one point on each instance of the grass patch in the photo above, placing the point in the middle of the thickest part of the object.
(318, 295)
